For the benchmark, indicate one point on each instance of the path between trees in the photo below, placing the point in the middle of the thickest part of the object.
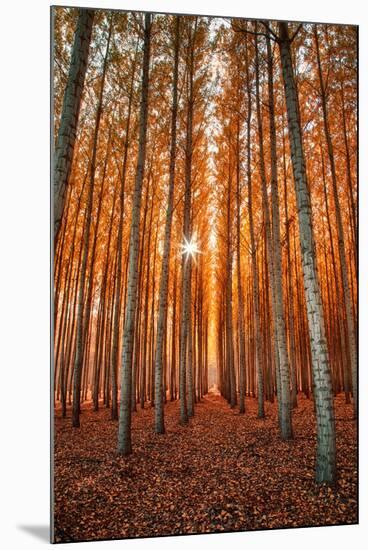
(223, 472)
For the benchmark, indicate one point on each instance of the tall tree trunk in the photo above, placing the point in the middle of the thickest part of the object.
(257, 324)
(146, 310)
(83, 312)
(290, 291)
(347, 297)
(286, 423)
(173, 383)
(340, 303)
(119, 270)
(268, 241)
(349, 179)
(229, 295)
(102, 306)
(68, 337)
(152, 321)
(124, 434)
(64, 148)
(164, 282)
(189, 372)
(326, 438)
(239, 284)
(186, 267)
(140, 269)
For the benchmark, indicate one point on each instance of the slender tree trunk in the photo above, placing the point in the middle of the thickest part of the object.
(186, 267)
(124, 434)
(84, 313)
(290, 292)
(347, 297)
(257, 324)
(58, 260)
(164, 282)
(190, 398)
(173, 386)
(269, 253)
(102, 305)
(119, 270)
(340, 303)
(326, 439)
(152, 327)
(286, 423)
(64, 332)
(229, 296)
(64, 148)
(140, 270)
(239, 286)
(349, 179)
(146, 309)
(68, 337)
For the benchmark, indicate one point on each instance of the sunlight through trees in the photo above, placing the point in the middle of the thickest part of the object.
(205, 218)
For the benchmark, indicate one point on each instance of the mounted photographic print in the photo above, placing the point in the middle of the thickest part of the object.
(204, 226)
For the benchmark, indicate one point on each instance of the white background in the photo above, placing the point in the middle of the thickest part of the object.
(24, 271)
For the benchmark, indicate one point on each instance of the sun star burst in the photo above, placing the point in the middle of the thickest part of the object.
(190, 248)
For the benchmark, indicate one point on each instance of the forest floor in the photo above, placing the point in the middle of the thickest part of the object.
(222, 472)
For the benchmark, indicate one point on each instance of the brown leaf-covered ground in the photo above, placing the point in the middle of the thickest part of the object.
(223, 472)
